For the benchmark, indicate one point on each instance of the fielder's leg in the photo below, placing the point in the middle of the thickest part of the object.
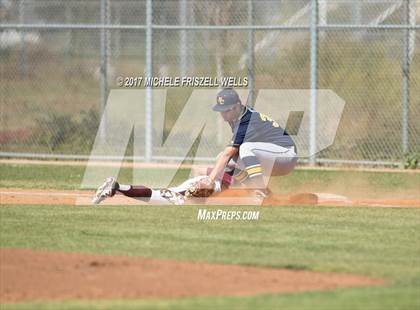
(261, 161)
(252, 175)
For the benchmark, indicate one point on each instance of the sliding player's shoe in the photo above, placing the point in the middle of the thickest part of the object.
(107, 189)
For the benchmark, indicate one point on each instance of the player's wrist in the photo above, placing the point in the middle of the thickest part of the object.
(217, 186)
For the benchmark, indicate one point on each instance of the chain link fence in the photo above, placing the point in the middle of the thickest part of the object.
(60, 58)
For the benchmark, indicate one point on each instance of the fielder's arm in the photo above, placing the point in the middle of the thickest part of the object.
(222, 161)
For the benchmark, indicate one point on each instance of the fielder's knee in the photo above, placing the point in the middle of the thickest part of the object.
(283, 166)
(250, 160)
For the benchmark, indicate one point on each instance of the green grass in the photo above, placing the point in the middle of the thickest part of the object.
(378, 242)
(63, 177)
(375, 242)
(353, 184)
(397, 297)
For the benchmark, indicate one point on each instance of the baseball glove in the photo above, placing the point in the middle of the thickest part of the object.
(200, 189)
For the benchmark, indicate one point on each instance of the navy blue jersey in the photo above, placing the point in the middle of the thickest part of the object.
(253, 126)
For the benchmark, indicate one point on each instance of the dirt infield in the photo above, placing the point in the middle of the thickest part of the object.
(231, 197)
(28, 275)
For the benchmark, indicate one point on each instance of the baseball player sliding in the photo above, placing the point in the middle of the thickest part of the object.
(259, 149)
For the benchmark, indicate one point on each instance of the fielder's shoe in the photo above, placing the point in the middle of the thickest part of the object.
(173, 197)
(107, 189)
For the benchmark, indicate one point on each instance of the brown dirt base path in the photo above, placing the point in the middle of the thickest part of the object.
(27, 275)
(229, 197)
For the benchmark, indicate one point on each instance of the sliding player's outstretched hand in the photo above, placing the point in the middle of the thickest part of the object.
(200, 189)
